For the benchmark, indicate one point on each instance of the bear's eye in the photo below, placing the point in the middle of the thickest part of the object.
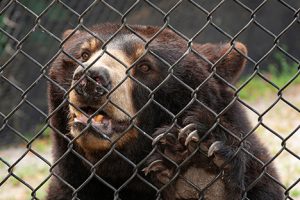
(144, 68)
(85, 56)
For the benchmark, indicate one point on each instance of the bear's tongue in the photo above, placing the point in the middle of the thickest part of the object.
(100, 123)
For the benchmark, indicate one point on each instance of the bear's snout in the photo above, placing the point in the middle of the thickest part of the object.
(92, 84)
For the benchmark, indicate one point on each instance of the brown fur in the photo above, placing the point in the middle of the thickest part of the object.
(193, 70)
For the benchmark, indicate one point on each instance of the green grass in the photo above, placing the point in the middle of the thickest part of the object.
(43, 139)
(279, 73)
(295, 192)
(42, 146)
(32, 171)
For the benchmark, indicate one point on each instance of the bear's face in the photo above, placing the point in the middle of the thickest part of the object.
(106, 86)
(101, 104)
(115, 91)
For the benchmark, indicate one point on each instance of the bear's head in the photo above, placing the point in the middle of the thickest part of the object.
(117, 85)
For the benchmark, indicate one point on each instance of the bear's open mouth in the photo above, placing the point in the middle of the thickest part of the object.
(99, 123)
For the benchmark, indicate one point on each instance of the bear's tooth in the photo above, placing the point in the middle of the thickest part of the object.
(98, 118)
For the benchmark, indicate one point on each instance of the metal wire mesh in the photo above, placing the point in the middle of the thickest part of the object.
(14, 38)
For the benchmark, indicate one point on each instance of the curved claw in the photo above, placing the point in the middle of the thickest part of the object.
(214, 147)
(154, 166)
(157, 139)
(193, 136)
(163, 138)
(185, 130)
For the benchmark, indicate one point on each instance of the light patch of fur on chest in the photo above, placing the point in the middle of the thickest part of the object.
(200, 178)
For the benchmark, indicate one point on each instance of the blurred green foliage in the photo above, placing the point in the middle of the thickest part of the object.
(280, 73)
(36, 6)
(2, 38)
(56, 12)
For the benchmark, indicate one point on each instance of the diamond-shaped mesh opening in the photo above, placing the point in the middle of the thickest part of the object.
(259, 86)
(23, 114)
(282, 109)
(257, 35)
(16, 11)
(36, 98)
(13, 72)
(53, 17)
(5, 49)
(101, 11)
(36, 7)
(143, 13)
(6, 89)
(23, 177)
(293, 48)
(180, 14)
(224, 21)
(185, 135)
(21, 191)
(266, 20)
(40, 54)
(289, 91)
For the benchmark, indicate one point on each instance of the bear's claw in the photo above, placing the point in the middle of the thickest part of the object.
(164, 139)
(157, 139)
(163, 174)
(184, 132)
(153, 167)
(213, 152)
(189, 136)
(193, 136)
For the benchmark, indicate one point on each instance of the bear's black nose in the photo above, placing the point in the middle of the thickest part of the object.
(93, 83)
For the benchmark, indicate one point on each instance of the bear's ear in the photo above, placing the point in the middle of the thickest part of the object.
(230, 59)
(69, 32)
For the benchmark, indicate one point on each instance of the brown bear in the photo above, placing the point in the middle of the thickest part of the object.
(114, 90)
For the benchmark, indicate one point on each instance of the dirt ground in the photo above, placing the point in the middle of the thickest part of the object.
(283, 143)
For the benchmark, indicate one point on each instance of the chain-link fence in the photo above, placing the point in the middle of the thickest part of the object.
(149, 112)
